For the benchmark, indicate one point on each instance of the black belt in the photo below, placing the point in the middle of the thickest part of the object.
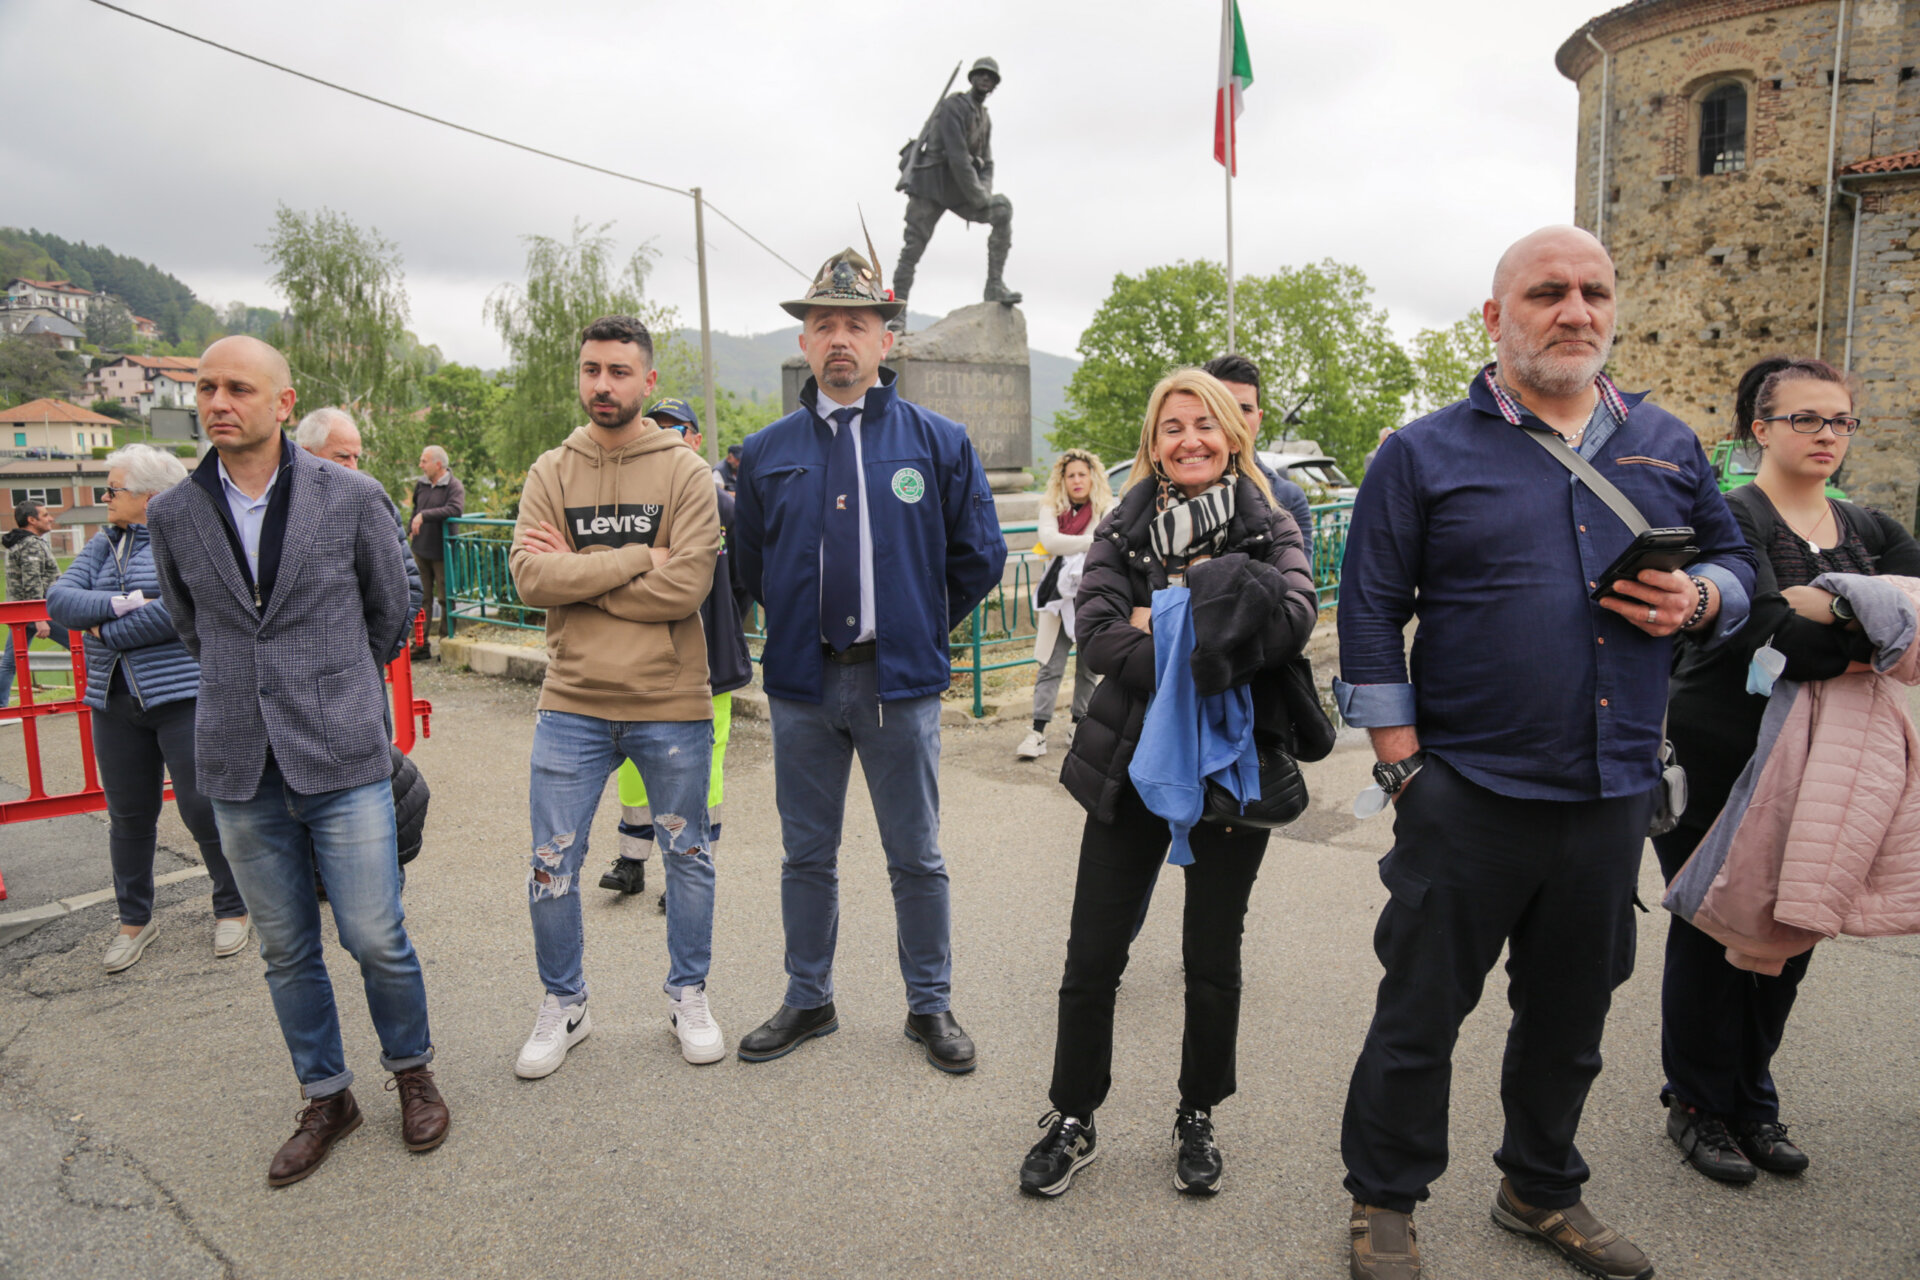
(851, 656)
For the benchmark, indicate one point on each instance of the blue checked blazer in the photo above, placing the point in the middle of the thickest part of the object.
(301, 677)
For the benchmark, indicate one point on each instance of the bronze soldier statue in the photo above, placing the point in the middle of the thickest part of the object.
(950, 167)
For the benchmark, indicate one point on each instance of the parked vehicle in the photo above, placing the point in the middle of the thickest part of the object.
(1737, 463)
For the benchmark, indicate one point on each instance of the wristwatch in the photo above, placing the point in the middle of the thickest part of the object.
(1390, 776)
(1842, 611)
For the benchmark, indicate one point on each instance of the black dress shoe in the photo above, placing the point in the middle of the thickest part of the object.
(1707, 1144)
(948, 1047)
(1765, 1143)
(784, 1031)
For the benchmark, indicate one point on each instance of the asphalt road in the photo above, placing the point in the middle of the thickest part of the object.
(138, 1111)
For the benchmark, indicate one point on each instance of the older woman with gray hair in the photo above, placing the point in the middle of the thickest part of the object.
(142, 685)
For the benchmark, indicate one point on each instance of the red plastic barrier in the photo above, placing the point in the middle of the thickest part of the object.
(21, 616)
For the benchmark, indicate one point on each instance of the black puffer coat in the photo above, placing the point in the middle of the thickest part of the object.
(1122, 573)
(410, 796)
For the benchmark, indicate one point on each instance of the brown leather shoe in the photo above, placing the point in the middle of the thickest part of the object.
(423, 1112)
(1586, 1242)
(1384, 1245)
(323, 1122)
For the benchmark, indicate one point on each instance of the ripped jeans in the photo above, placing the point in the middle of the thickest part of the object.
(572, 758)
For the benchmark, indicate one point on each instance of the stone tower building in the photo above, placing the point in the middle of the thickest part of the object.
(1754, 166)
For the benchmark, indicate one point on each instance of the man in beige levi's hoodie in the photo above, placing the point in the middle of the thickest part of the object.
(617, 538)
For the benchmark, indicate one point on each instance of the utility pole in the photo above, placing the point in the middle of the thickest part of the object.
(712, 432)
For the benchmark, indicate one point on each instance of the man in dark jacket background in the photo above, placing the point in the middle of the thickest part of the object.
(31, 569)
(866, 530)
(438, 496)
(949, 168)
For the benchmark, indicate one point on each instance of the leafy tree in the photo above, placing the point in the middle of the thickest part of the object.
(569, 284)
(345, 329)
(462, 417)
(146, 290)
(109, 324)
(1329, 368)
(1445, 360)
(241, 318)
(30, 370)
(113, 409)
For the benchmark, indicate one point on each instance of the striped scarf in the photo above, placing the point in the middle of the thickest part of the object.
(1187, 527)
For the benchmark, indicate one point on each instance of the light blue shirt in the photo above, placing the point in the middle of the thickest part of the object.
(249, 515)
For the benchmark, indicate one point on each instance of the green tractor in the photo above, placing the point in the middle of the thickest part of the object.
(1736, 463)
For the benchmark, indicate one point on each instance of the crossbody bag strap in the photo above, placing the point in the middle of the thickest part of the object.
(1602, 487)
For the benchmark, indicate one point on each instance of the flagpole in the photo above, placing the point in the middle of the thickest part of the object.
(1226, 113)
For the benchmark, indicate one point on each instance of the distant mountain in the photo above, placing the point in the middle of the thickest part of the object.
(749, 365)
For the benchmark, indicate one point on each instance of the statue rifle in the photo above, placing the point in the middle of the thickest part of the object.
(910, 154)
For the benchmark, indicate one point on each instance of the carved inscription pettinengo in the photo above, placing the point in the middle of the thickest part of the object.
(993, 401)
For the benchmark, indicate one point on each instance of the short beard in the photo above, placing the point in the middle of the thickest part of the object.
(1535, 370)
(628, 412)
(831, 378)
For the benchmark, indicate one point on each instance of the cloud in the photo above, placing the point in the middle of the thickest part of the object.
(1414, 140)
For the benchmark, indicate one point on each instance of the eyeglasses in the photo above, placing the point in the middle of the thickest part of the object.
(681, 427)
(1808, 424)
(114, 491)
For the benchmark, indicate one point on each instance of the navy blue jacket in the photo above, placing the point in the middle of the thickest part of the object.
(937, 545)
(144, 643)
(1520, 681)
(729, 663)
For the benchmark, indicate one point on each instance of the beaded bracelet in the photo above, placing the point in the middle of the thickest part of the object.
(1699, 610)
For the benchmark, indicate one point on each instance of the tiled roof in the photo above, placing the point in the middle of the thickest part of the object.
(54, 325)
(177, 375)
(57, 286)
(53, 411)
(1885, 164)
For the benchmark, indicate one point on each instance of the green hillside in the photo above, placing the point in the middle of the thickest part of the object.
(145, 288)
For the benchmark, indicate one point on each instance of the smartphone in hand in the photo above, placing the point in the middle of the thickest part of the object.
(1665, 549)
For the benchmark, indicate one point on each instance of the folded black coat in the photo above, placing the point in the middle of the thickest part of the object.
(410, 796)
(1237, 619)
(1122, 573)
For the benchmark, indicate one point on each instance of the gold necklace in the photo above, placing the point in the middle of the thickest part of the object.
(1808, 537)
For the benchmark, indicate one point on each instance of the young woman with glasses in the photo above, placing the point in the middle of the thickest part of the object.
(1720, 1025)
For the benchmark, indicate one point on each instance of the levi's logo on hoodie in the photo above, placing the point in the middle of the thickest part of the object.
(620, 525)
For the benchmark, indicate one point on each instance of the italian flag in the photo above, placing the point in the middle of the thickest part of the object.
(1236, 73)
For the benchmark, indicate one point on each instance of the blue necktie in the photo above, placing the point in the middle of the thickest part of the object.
(840, 538)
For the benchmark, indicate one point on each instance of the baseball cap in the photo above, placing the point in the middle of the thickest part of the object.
(673, 409)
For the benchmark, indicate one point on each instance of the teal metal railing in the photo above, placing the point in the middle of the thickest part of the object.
(480, 589)
(479, 582)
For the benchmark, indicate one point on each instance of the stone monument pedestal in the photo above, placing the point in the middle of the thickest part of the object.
(972, 366)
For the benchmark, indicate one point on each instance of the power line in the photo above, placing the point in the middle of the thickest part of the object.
(449, 124)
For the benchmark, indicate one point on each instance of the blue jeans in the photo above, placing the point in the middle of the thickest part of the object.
(572, 757)
(274, 842)
(899, 746)
(57, 634)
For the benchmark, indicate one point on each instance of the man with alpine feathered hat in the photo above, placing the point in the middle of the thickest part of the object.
(865, 529)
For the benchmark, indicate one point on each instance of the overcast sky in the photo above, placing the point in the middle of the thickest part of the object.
(1410, 138)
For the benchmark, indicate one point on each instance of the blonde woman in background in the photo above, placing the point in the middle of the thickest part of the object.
(1077, 496)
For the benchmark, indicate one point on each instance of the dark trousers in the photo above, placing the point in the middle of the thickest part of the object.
(1719, 1026)
(433, 585)
(1471, 871)
(134, 747)
(1118, 864)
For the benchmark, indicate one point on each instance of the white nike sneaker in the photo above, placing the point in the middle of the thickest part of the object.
(556, 1029)
(1033, 746)
(692, 1022)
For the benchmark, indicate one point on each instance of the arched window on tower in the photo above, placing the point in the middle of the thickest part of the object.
(1723, 130)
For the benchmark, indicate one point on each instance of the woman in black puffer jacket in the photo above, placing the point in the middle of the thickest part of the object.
(1198, 511)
